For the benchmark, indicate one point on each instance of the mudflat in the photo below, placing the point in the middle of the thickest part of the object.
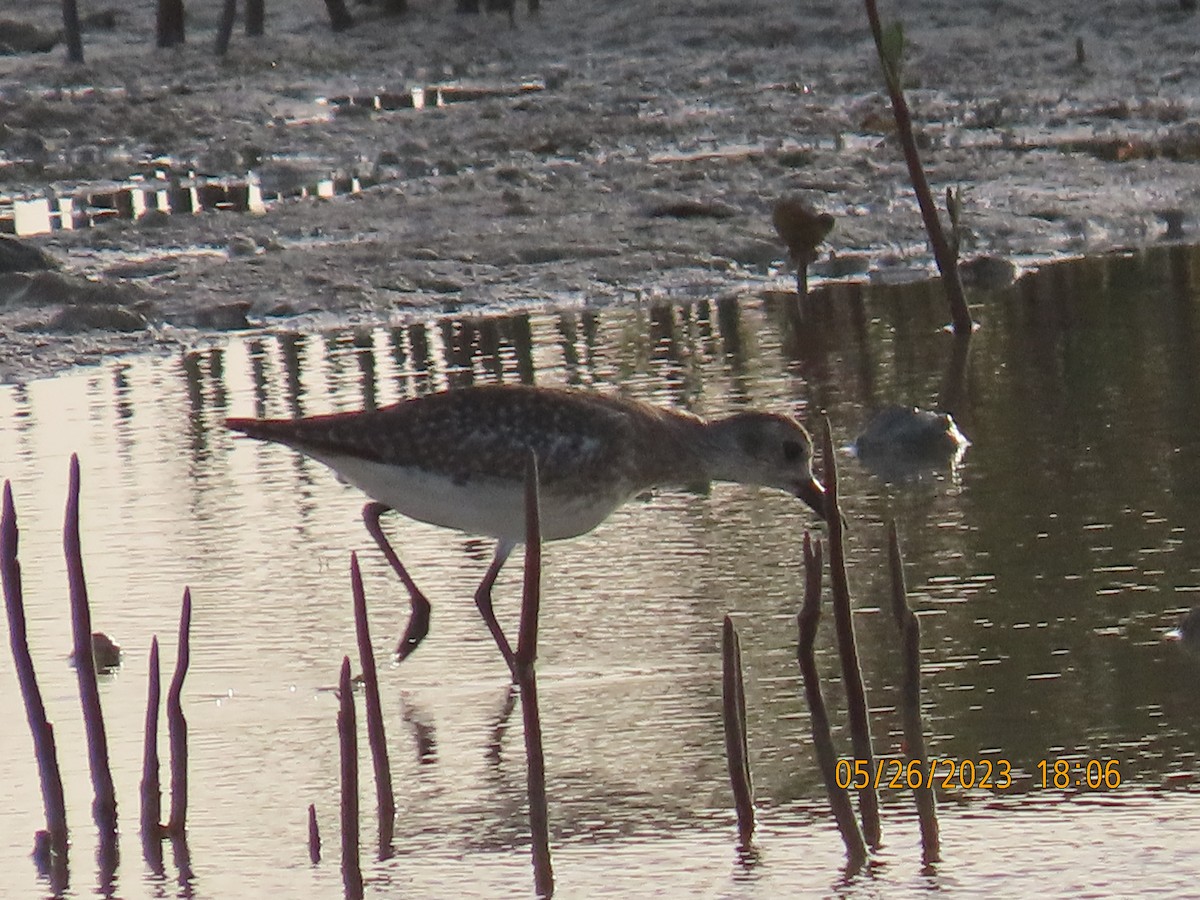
(616, 152)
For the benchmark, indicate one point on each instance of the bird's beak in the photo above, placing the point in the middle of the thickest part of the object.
(812, 493)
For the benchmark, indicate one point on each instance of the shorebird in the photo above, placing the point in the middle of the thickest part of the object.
(457, 459)
(802, 229)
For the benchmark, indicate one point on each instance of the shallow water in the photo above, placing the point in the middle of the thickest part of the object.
(1045, 567)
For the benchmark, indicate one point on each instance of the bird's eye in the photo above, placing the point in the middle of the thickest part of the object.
(792, 451)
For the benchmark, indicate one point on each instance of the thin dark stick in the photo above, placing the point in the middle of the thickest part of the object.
(809, 617)
(952, 394)
(151, 787)
(910, 701)
(35, 710)
(944, 254)
(169, 24)
(526, 655)
(255, 17)
(348, 744)
(339, 17)
(177, 724)
(72, 32)
(531, 594)
(733, 705)
(225, 27)
(104, 807)
(374, 711)
(856, 693)
(314, 835)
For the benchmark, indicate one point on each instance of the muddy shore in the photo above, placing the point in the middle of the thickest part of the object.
(644, 167)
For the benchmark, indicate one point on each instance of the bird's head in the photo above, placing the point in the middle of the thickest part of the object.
(766, 449)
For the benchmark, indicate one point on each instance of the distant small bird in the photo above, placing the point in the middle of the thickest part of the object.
(457, 459)
(910, 431)
(901, 443)
(106, 653)
(801, 228)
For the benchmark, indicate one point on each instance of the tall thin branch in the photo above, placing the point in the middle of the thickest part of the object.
(807, 620)
(104, 807)
(348, 744)
(151, 787)
(72, 31)
(733, 705)
(944, 253)
(524, 658)
(374, 710)
(177, 729)
(35, 710)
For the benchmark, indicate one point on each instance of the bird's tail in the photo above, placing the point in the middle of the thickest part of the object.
(263, 429)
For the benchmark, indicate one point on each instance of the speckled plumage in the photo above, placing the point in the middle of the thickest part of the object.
(477, 431)
(458, 460)
(594, 452)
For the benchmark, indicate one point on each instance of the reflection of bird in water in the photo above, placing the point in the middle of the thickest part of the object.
(457, 459)
(901, 442)
(1187, 632)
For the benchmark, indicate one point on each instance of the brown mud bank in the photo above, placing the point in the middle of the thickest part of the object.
(646, 167)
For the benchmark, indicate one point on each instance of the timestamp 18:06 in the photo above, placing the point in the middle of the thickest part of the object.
(988, 774)
(1093, 774)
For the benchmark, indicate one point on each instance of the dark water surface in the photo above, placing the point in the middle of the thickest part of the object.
(1045, 566)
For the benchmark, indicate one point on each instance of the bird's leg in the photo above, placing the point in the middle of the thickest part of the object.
(483, 600)
(418, 621)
